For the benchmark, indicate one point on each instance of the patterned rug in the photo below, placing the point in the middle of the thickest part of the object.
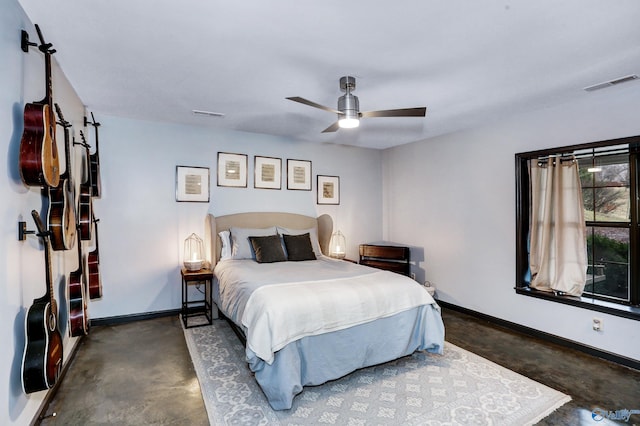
(458, 387)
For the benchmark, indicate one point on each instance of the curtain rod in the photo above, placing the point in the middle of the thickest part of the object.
(593, 153)
(563, 159)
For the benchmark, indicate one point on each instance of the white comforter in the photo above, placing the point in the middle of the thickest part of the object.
(276, 307)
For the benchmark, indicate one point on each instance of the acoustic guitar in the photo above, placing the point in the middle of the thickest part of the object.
(78, 318)
(39, 164)
(42, 359)
(61, 217)
(95, 282)
(85, 205)
(96, 181)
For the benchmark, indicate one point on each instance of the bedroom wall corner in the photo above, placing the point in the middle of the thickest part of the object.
(22, 263)
(142, 227)
(454, 196)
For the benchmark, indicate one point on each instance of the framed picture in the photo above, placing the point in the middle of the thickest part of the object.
(328, 189)
(267, 172)
(299, 175)
(232, 170)
(192, 184)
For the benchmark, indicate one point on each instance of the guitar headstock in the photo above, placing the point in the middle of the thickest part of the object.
(84, 140)
(93, 122)
(61, 121)
(42, 229)
(44, 47)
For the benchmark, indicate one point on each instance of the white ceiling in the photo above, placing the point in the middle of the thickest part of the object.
(467, 61)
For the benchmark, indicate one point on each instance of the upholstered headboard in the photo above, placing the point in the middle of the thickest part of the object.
(213, 225)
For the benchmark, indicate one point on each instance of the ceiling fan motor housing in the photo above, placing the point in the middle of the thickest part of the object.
(349, 105)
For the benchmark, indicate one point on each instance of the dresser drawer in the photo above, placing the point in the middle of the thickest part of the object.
(393, 258)
(385, 252)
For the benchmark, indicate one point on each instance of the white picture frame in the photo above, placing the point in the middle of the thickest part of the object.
(192, 184)
(299, 175)
(232, 169)
(267, 172)
(328, 188)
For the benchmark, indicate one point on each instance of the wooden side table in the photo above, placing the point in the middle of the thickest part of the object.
(388, 256)
(199, 307)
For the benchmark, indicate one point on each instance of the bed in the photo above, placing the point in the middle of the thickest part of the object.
(305, 321)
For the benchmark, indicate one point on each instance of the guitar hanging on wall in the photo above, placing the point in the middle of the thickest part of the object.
(78, 318)
(61, 217)
(95, 281)
(85, 209)
(42, 359)
(39, 164)
(96, 181)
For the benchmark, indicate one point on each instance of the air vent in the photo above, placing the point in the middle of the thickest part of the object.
(207, 113)
(611, 82)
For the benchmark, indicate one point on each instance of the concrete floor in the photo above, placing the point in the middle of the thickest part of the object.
(140, 373)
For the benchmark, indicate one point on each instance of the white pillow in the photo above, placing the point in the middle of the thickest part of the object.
(240, 244)
(225, 252)
(313, 235)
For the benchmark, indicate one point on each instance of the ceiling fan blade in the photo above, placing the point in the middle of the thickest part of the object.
(403, 112)
(313, 104)
(334, 127)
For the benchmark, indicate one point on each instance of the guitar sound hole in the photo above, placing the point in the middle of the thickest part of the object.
(52, 322)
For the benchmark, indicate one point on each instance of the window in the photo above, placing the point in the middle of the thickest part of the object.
(610, 191)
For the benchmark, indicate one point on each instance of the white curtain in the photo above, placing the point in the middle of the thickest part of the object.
(558, 248)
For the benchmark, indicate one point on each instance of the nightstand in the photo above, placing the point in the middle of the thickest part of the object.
(198, 307)
(387, 256)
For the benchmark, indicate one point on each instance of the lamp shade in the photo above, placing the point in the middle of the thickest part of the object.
(337, 245)
(193, 253)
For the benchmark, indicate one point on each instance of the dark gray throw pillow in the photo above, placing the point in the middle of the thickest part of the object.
(299, 247)
(268, 249)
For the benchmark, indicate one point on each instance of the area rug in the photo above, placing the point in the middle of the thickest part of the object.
(457, 388)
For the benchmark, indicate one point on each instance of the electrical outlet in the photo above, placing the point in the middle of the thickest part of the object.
(597, 324)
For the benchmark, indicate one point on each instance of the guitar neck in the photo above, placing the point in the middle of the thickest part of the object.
(44, 234)
(89, 181)
(95, 127)
(49, 276)
(97, 250)
(67, 143)
(67, 154)
(79, 243)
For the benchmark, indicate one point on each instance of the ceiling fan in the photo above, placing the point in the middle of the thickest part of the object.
(348, 111)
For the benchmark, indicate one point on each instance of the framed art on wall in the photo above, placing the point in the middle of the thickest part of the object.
(192, 184)
(267, 172)
(232, 169)
(299, 175)
(328, 189)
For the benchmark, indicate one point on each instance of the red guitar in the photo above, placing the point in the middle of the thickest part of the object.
(85, 208)
(39, 164)
(61, 217)
(95, 282)
(96, 182)
(78, 318)
(42, 359)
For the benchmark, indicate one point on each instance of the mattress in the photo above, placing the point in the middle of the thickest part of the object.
(296, 314)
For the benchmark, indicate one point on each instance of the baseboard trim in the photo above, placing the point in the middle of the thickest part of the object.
(123, 319)
(41, 414)
(590, 350)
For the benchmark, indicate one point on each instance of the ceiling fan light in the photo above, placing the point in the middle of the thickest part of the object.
(348, 123)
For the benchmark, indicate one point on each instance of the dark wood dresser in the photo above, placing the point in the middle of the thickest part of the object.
(387, 256)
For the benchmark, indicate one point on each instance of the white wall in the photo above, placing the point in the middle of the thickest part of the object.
(454, 197)
(22, 268)
(142, 228)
